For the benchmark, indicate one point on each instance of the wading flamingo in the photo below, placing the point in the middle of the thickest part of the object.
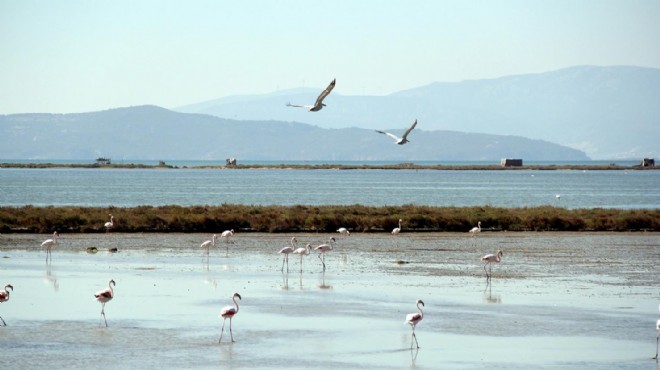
(105, 296)
(209, 244)
(413, 319)
(49, 244)
(4, 297)
(323, 249)
(491, 258)
(397, 230)
(400, 140)
(227, 234)
(303, 252)
(344, 231)
(475, 230)
(286, 251)
(318, 105)
(229, 312)
(110, 224)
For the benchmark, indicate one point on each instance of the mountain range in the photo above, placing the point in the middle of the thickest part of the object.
(150, 132)
(572, 114)
(607, 112)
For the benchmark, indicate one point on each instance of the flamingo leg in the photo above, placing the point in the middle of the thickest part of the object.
(656, 345)
(230, 333)
(103, 315)
(486, 271)
(222, 330)
(287, 263)
(414, 336)
(282, 269)
(5, 324)
(301, 263)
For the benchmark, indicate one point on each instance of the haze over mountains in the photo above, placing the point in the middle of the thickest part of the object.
(607, 112)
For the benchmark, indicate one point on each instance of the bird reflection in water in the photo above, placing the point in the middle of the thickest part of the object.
(51, 278)
(488, 294)
(322, 283)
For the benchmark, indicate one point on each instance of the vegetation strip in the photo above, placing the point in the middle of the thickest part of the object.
(305, 218)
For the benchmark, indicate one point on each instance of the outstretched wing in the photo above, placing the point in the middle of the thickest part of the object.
(405, 135)
(390, 135)
(325, 93)
(298, 106)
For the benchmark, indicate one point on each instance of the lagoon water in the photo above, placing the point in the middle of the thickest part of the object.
(557, 300)
(620, 189)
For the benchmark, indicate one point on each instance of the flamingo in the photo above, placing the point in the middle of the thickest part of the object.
(323, 248)
(476, 229)
(400, 140)
(397, 230)
(490, 258)
(4, 297)
(318, 105)
(344, 231)
(286, 251)
(303, 252)
(110, 224)
(49, 244)
(657, 328)
(105, 296)
(413, 319)
(209, 244)
(229, 312)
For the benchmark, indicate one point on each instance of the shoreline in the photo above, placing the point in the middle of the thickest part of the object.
(399, 166)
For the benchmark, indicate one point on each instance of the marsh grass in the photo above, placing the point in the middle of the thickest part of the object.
(302, 218)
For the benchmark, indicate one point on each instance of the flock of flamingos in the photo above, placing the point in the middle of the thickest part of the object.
(228, 312)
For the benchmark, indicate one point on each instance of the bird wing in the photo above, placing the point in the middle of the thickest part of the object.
(228, 311)
(299, 106)
(488, 257)
(412, 317)
(396, 138)
(104, 293)
(325, 92)
(405, 135)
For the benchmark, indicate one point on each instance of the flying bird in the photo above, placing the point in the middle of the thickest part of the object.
(229, 312)
(318, 105)
(105, 296)
(400, 140)
(4, 297)
(413, 319)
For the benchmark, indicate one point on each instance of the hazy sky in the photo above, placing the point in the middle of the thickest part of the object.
(75, 56)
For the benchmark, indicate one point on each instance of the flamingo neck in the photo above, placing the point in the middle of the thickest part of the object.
(421, 314)
(236, 303)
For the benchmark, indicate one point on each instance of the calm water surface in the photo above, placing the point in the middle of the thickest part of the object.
(133, 187)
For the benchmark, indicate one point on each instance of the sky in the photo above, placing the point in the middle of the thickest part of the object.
(70, 56)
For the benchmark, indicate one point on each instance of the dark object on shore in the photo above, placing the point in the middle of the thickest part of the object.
(508, 162)
(648, 162)
(113, 250)
(91, 250)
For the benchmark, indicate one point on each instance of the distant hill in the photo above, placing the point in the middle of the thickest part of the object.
(607, 112)
(150, 132)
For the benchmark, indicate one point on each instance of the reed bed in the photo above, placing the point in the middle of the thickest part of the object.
(305, 218)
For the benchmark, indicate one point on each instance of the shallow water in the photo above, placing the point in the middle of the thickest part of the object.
(573, 300)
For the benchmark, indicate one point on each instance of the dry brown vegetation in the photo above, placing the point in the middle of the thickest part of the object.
(356, 218)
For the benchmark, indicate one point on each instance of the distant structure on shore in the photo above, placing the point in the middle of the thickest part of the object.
(648, 162)
(102, 161)
(508, 162)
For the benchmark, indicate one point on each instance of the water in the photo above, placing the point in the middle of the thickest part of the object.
(558, 300)
(620, 189)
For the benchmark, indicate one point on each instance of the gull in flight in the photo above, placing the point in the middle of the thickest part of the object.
(400, 140)
(319, 101)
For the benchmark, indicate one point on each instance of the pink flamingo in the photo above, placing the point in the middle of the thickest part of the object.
(105, 296)
(227, 234)
(491, 258)
(229, 312)
(303, 252)
(413, 319)
(4, 297)
(323, 249)
(397, 230)
(49, 244)
(110, 224)
(475, 230)
(286, 251)
(344, 231)
(209, 244)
